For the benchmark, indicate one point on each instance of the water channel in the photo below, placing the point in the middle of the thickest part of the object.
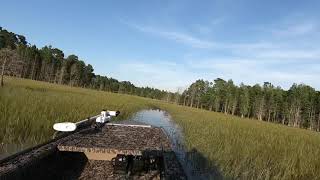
(194, 163)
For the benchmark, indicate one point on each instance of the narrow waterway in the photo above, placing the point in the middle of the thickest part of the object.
(194, 163)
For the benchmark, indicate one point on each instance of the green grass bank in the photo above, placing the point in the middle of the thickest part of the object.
(239, 148)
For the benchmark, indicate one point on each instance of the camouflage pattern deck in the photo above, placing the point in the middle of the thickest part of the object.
(62, 158)
(119, 139)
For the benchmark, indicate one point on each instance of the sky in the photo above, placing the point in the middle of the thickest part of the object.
(168, 44)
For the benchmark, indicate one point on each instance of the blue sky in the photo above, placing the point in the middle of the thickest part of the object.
(169, 44)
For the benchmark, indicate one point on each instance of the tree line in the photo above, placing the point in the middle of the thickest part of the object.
(20, 59)
(299, 106)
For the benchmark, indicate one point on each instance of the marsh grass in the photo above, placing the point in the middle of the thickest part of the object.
(29, 108)
(240, 148)
(250, 149)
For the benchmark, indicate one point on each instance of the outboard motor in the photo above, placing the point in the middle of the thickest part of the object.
(105, 118)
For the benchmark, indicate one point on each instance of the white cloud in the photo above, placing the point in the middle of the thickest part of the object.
(163, 75)
(270, 59)
(217, 21)
(171, 76)
(261, 49)
(296, 29)
(289, 54)
(176, 36)
(208, 28)
(203, 29)
(252, 71)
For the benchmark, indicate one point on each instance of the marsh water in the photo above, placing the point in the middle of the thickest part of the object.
(194, 163)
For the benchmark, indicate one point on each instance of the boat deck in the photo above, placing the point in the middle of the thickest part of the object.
(119, 139)
(86, 154)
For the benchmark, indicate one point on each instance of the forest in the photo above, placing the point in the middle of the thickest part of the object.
(20, 59)
(298, 107)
